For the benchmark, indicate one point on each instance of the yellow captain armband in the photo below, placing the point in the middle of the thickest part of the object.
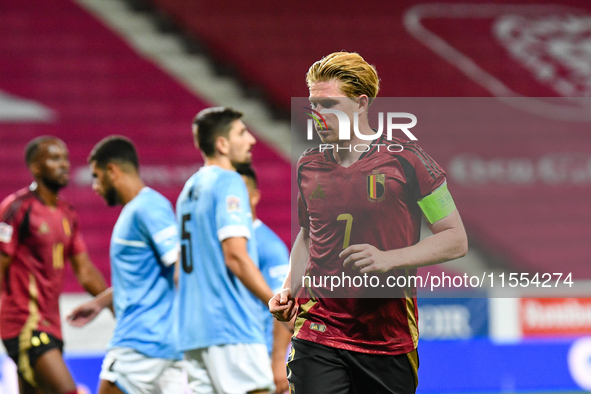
(438, 204)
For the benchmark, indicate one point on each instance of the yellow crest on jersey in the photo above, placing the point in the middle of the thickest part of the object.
(376, 186)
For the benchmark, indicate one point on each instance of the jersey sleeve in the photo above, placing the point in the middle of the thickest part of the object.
(158, 225)
(232, 210)
(429, 175)
(77, 244)
(9, 223)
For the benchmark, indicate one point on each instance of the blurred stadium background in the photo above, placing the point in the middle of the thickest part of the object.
(84, 69)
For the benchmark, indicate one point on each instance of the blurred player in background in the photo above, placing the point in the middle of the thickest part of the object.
(274, 264)
(221, 332)
(360, 212)
(144, 249)
(38, 232)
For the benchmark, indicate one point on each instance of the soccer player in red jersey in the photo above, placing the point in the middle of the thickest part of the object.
(360, 213)
(38, 232)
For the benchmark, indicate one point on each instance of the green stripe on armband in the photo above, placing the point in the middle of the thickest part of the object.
(438, 204)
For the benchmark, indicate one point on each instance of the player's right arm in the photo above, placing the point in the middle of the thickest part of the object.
(282, 305)
(238, 261)
(8, 236)
(5, 261)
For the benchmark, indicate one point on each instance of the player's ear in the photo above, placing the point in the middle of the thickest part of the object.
(195, 130)
(222, 145)
(363, 103)
(35, 169)
(112, 171)
(255, 197)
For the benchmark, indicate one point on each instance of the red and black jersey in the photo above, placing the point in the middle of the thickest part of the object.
(38, 238)
(373, 201)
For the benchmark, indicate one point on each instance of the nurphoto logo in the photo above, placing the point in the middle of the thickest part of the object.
(345, 129)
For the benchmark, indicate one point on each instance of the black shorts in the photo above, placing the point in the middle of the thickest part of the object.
(317, 369)
(25, 352)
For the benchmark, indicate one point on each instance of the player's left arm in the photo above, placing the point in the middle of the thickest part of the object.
(449, 241)
(86, 312)
(87, 274)
(93, 282)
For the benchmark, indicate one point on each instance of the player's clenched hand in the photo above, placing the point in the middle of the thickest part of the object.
(282, 306)
(365, 258)
(84, 314)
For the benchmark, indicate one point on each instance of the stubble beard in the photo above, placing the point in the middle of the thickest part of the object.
(54, 185)
(111, 197)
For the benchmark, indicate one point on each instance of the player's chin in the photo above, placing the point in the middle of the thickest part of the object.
(247, 159)
(57, 183)
(329, 138)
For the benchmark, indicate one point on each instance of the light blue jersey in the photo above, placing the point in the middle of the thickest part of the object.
(274, 265)
(144, 248)
(214, 306)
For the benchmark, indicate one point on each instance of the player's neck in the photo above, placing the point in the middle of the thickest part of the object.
(129, 188)
(220, 161)
(345, 158)
(348, 152)
(47, 195)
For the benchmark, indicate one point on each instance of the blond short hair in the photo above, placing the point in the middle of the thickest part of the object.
(355, 75)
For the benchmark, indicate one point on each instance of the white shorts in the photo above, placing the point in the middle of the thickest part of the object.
(229, 369)
(135, 373)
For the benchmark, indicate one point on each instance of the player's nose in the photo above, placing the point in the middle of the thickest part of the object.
(252, 140)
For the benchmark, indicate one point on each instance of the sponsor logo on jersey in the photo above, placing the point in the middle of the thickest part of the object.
(5, 232)
(376, 186)
(317, 327)
(44, 228)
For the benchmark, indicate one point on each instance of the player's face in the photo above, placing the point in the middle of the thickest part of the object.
(103, 185)
(240, 143)
(53, 165)
(328, 95)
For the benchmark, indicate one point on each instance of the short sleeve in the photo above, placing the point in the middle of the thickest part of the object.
(429, 175)
(9, 223)
(233, 216)
(158, 225)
